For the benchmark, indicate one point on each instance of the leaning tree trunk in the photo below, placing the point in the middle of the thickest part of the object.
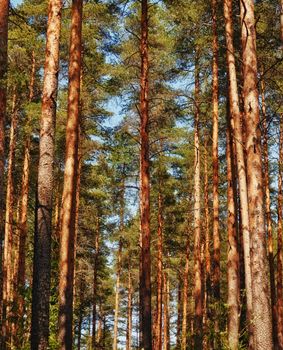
(241, 167)
(197, 224)
(233, 254)
(43, 224)
(279, 240)
(68, 211)
(259, 262)
(145, 283)
(4, 11)
(9, 239)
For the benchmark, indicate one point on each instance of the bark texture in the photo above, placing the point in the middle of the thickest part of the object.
(259, 262)
(43, 224)
(236, 125)
(68, 210)
(145, 283)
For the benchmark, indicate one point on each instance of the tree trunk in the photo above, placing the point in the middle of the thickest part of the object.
(197, 224)
(179, 316)
(185, 298)
(20, 259)
(233, 255)
(4, 12)
(95, 267)
(9, 239)
(158, 322)
(68, 211)
(241, 167)
(43, 224)
(216, 238)
(166, 297)
(129, 312)
(115, 339)
(268, 215)
(259, 262)
(145, 297)
(279, 240)
(207, 277)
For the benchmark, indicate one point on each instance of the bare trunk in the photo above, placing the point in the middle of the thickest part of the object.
(241, 167)
(166, 298)
(233, 255)
(95, 267)
(69, 208)
(129, 312)
(279, 240)
(185, 298)
(158, 322)
(43, 224)
(179, 315)
(197, 224)
(268, 215)
(207, 268)
(115, 340)
(216, 238)
(9, 239)
(145, 289)
(259, 262)
(4, 12)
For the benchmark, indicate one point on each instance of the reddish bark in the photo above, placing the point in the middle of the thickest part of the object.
(145, 283)
(68, 210)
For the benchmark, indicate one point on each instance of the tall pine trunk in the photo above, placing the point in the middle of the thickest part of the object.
(166, 302)
(68, 210)
(233, 254)
(4, 11)
(241, 166)
(259, 262)
(197, 223)
(43, 224)
(268, 214)
(94, 287)
(9, 236)
(116, 314)
(158, 321)
(145, 283)
(184, 339)
(129, 312)
(279, 242)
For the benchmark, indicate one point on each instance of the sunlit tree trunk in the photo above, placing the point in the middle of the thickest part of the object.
(233, 255)
(43, 224)
(259, 262)
(241, 167)
(197, 224)
(68, 210)
(145, 289)
(4, 11)
(268, 214)
(279, 242)
(9, 229)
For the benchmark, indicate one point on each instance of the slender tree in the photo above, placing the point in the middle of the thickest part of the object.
(43, 225)
(68, 210)
(259, 262)
(236, 125)
(279, 242)
(145, 283)
(4, 12)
